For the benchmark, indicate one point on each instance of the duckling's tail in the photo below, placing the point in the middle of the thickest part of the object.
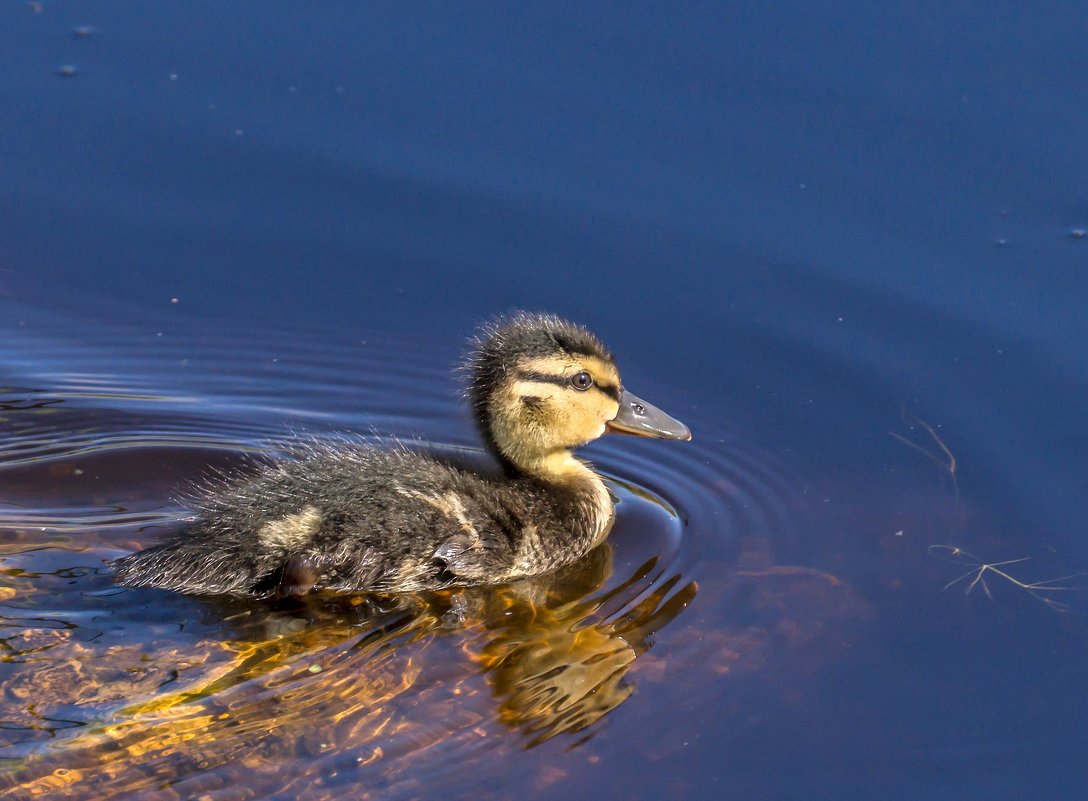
(188, 567)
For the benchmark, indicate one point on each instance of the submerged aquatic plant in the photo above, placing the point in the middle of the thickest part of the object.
(1045, 591)
(943, 457)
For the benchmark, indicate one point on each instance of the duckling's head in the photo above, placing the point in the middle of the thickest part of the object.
(541, 386)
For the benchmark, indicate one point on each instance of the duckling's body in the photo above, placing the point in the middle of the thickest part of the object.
(355, 518)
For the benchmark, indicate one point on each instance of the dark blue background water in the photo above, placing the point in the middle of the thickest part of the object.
(795, 220)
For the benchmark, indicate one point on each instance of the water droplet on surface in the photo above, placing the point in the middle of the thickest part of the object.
(1078, 233)
(83, 31)
(67, 70)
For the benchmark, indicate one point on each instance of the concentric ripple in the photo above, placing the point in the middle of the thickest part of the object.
(112, 692)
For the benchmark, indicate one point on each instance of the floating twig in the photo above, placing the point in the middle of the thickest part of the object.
(1040, 590)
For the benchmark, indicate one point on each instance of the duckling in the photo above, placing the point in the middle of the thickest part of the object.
(353, 518)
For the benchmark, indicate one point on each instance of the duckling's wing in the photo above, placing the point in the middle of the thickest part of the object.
(343, 519)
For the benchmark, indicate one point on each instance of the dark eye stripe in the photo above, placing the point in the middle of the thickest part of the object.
(610, 391)
(543, 378)
(561, 381)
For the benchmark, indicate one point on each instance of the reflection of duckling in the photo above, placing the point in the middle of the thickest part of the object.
(360, 519)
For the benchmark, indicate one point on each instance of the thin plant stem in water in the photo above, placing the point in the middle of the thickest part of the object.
(980, 571)
(946, 460)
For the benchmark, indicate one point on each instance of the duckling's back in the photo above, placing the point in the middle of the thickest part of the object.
(352, 518)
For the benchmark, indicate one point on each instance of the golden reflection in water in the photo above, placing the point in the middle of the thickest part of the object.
(329, 685)
(555, 664)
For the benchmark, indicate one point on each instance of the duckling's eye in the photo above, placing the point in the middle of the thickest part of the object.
(582, 381)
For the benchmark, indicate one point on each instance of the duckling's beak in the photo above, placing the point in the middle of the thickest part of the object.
(636, 416)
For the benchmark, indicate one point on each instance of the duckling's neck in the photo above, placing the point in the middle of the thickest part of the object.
(563, 469)
(559, 466)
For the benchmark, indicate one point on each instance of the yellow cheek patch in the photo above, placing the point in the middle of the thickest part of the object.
(592, 404)
(537, 389)
(530, 415)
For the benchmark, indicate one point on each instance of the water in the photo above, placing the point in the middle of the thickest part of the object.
(840, 244)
